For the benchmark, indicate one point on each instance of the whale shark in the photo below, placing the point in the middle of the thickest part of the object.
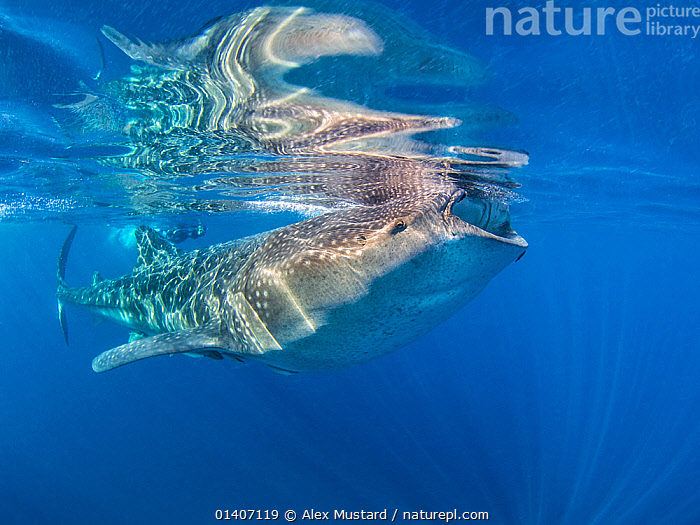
(322, 294)
(408, 232)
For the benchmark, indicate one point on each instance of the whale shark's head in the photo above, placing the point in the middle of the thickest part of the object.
(356, 283)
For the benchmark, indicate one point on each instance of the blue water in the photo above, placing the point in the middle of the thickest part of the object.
(566, 393)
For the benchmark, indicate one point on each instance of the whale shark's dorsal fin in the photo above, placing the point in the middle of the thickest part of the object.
(153, 247)
(205, 337)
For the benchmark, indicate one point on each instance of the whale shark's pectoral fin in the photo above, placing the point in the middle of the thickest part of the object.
(198, 340)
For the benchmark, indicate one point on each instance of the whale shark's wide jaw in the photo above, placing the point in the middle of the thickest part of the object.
(484, 218)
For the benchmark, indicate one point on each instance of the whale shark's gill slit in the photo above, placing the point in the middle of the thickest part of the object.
(254, 327)
(277, 280)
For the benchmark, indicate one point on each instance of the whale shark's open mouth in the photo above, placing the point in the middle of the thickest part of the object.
(488, 215)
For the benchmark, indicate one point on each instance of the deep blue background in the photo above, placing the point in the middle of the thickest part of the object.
(567, 392)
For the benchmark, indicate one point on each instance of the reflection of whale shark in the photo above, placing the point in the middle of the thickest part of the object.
(322, 294)
(411, 231)
(232, 77)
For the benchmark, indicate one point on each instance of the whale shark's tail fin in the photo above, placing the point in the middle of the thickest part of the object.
(168, 55)
(61, 276)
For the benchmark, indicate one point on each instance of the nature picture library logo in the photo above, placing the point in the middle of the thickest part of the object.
(661, 20)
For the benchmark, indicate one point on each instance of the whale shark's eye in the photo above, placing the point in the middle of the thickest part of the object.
(399, 226)
(361, 239)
